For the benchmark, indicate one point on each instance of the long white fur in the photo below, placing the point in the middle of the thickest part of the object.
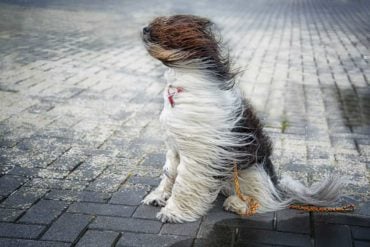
(196, 128)
(323, 193)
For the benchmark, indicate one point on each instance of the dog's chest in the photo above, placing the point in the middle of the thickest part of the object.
(170, 96)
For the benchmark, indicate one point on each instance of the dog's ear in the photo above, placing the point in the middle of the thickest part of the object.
(166, 56)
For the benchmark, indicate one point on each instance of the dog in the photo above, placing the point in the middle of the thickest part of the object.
(209, 126)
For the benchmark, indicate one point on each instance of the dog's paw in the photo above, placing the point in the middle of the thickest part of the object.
(156, 198)
(171, 216)
(234, 204)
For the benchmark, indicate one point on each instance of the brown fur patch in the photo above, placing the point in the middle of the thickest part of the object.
(186, 33)
(178, 39)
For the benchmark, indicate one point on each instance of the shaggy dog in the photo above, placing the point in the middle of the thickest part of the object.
(209, 125)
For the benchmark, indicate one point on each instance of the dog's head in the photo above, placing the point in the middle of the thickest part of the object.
(186, 41)
(178, 38)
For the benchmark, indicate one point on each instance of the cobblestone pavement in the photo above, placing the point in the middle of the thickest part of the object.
(80, 143)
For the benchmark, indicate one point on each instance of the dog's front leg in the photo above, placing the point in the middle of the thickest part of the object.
(192, 194)
(159, 196)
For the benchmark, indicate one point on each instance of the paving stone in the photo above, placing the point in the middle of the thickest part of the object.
(213, 217)
(92, 168)
(137, 239)
(8, 184)
(131, 197)
(206, 229)
(219, 235)
(67, 227)
(30, 243)
(126, 224)
(144, 180)
(272, 237)
(24, 171)
(258, 221)
(101, 209)
(98, 238)
(137, 149)
(4, 169)
(184, 243)
(361, 233)
(41, 158)
(361, 244)
(23, 198)
(69, 160)
(185, 229)
(355, 220)
(41, 107)
(89, 170)
(51, 174)
(107, 182)
(221, 242)
(9, 141)
(155, 160)
(146, 212)
(293, 221)
(332, 235)
(83, 196)
(58, 184)
(43, 212)
(7, 214)
(20, 230)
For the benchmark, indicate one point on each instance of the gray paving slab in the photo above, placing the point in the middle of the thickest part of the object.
(10, 183)
(146, 212)
(187, 229)
(30, 243)
(67, 227)
(43, 212)
(332, 235)
(23, 198)
(20, 230)
(293, 221)
(9, 214)
(98, 238)
(273, 237)
(130, 239)
(126, 224)
(361, 233)
(101, 209)
(77, 195)
(129, 196)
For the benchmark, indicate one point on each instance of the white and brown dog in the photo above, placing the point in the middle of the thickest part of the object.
(209, 125)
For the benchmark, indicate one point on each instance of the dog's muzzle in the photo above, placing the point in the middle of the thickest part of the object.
(146, 30)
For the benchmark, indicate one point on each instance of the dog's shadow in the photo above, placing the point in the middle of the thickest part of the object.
(283, 228)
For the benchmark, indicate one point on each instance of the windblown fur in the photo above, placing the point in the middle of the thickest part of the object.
(210, 126)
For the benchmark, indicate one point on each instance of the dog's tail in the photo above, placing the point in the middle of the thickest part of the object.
(323, 193)
(273, 194)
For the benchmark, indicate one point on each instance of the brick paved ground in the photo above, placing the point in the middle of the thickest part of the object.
(80, 143)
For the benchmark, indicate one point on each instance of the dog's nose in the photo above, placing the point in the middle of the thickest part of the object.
(146, 30)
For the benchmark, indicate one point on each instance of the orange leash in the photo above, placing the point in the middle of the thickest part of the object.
(253, 205)
(311, 208)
